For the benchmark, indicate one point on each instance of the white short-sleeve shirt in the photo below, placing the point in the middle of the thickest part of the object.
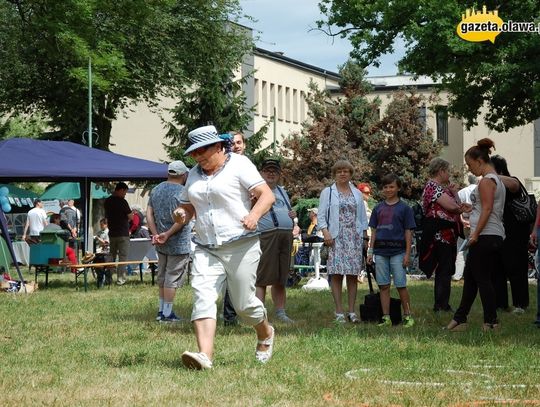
(221, 200)
(37, 217)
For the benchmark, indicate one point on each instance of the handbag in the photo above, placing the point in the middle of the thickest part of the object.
(523, 206)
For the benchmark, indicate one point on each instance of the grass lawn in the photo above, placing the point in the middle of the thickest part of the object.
(63, 347)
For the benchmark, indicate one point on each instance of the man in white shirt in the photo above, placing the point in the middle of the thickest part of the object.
(35, 222)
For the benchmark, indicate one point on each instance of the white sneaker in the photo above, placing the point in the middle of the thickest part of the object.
(196, 360)
(518, 310)
(340, 319)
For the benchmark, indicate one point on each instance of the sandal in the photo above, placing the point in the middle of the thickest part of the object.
(264, 356)
(353, 318)
(455, 326)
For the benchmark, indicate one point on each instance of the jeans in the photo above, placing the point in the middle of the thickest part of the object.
(387, 266)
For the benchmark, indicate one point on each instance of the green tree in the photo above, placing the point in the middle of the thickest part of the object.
(401, 144)
(21, 126)
(503, 76)
(337, 129)
(141, 50)
(217, 99)
(349, 128)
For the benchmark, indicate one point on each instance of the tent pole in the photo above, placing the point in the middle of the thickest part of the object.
(90, 102)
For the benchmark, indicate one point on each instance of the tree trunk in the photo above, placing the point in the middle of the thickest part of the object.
(103, 124)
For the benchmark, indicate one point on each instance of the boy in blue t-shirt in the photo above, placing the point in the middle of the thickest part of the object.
(392, 223)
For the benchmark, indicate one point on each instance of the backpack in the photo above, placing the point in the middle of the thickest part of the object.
(523, 206)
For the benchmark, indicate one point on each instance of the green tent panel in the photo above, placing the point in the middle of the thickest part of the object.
(72, 190)
(20, 197)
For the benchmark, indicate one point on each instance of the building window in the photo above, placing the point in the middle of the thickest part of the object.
(288, 104)
(442, 124)
(295, 106)
(256, 97)
(280, 102)
(264, 103)
(272, 100)
(302, 106)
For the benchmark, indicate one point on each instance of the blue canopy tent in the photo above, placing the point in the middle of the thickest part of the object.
(28, 160)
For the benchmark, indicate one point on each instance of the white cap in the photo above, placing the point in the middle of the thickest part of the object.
(177, 168)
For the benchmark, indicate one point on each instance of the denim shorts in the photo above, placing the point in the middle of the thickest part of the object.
(390, 265)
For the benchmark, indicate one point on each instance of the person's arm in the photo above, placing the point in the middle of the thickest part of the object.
(534, 233)
(150, 222)
(26, 226)
(371, 245)
(510, 182)
(183, 214)
(408, 245)
(486, 189)
(164, 236)
(363, 222)
(265, 200)
(323, 221)
(450, 204)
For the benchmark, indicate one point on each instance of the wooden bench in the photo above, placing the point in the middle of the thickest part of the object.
(85, 266)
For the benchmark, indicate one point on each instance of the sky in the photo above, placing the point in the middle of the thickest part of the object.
(289, 26)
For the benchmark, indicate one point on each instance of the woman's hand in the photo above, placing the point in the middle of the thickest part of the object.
(473, 238)
(179, 215)
(250, 221)
(465, 207)
(328, 241)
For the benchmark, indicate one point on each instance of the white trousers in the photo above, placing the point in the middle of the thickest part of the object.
(234, 264)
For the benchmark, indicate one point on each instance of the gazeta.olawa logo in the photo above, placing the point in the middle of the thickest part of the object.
(476, 26)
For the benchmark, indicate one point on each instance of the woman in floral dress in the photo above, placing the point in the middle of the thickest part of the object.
(343, 222)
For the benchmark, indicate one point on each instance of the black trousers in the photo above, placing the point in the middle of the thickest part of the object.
(514, 267)
(229, 313)
(446, 256)
(480, 267)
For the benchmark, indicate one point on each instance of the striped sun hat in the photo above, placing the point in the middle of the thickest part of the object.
(202, 136)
